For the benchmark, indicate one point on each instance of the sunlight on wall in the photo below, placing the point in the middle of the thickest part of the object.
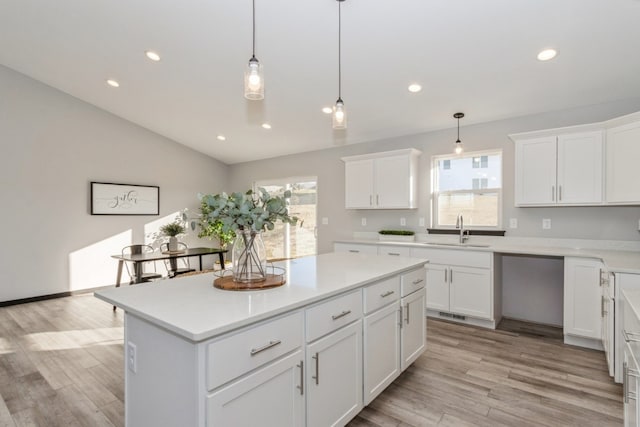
(92, 266)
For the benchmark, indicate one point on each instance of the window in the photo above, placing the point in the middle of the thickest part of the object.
(468, 184)
(286, 241)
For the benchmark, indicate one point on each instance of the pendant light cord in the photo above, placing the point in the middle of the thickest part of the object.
(253, 50)
(458, 130)
(339, 49)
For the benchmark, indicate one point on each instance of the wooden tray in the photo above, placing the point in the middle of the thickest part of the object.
(226, 283)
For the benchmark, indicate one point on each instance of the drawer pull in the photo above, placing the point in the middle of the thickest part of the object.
(386, 294)
(630, 336)
(393, 253)
(317, 375)
(415, 282)
(407, 314)
(255, 351)
(344, 313)
(355, 251)
(301, 386)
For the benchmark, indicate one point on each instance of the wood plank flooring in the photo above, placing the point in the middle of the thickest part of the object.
(61, 364)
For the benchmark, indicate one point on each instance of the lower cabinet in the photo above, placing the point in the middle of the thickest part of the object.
(460, 290)
(413, 327)
(381, 350)
(274, 395)
(334, 377)
(630, 373)
(583, 303)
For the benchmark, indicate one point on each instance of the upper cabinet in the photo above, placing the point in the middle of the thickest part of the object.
(382, 180)
(586, 165)
(559, 170)
(623, 160)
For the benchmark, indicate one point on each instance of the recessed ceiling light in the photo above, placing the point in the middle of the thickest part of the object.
(113, 83)
(266, 126)
(327, 110)
(152, 55)
(414, 87)
(221, 138)
(547, 54)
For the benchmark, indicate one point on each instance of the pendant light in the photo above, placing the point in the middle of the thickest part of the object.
(458, 149)
(253, 75)
(339, 111)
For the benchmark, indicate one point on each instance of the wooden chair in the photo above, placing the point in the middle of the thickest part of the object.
(144, 276)
(176, 266)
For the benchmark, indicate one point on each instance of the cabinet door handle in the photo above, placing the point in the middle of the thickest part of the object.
(344, 313)
(553, 193)
(386, 294)
(301, 386)
(415, 282)
(393, 253)
(445, 274)
(602, 306)
(625, 385)
(559, 192)
(255, 351)
(317, 375)
(401, 315)
(355, 251)
(407, 313)
(377, 199)
(370, 199)
(451, 276)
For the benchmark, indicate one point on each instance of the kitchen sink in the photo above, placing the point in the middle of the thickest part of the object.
(464, 245)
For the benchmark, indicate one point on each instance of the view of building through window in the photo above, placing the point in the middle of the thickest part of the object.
(469, 184)
(287, 241)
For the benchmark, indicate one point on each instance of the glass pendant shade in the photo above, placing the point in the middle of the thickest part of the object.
(458, 147)
(339, 115)
(254, 80)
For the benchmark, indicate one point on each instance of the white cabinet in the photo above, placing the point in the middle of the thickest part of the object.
(630, 369)
(334, 377)
(623, 159)
(413, 326)
(459, 282)
(559, 170)
(385, 180)
(607, 280)
(274, 393)
(582, 298)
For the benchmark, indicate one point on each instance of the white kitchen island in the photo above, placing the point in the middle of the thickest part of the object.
(311, 352)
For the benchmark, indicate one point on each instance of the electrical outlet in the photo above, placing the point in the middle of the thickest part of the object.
(513, 223)
(546, 224)
(421, 222)
(363, 221)
(403, 221)
(325, 220)
(132, 357)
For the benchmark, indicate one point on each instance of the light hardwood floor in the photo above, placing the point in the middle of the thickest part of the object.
(61, 364)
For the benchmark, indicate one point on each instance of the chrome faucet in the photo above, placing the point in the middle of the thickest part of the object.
(464, 234)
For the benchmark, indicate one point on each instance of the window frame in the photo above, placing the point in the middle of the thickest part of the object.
(435, 193)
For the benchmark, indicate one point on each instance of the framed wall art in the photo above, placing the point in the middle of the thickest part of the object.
(124, 199)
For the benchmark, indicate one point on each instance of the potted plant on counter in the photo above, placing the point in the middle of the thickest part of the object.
(396, 235)
(247, 215)
(172, 230)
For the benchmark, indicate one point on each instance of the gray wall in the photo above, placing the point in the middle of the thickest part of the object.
(53, 145)
(614, 223)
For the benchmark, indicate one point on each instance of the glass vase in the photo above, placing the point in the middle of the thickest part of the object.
(249, 257)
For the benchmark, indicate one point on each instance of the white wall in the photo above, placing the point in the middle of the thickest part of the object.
(616, 223)
(53, 145)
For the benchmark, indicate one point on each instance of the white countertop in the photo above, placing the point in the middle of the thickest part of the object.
(192, 308)
(621, 261)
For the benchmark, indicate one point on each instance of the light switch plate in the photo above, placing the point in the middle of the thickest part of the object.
(363, 221)
(513, 223)
(421, 222)
(403, 221)
(546, 223)
(132, 357)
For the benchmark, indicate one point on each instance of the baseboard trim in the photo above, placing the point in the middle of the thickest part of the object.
(52, 296)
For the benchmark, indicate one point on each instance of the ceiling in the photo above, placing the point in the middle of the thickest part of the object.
(474, 56)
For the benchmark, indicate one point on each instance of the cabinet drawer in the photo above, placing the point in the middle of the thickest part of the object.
(462, 257)
(412, 281)
(333, 314)
(381, 294)
(394, 250)
(232, 356)
(355, 248)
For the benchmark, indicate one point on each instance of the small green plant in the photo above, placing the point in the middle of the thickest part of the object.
(397, 232)
(172, 229)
